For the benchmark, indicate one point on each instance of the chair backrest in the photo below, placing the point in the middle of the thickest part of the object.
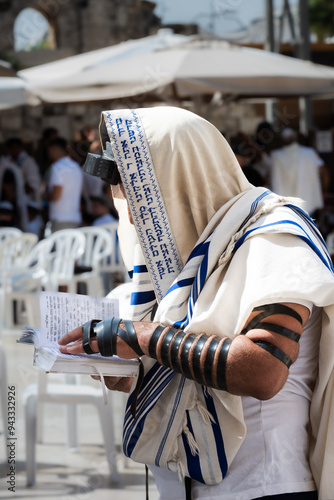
(63, 248)
(14, 251)
(113, 263)
(330, 243)
(98, 246)
(8, 232)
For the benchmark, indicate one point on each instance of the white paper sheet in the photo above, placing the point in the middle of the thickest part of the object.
(62, 312)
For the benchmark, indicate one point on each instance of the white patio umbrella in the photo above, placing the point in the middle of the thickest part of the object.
(44, 78)
(193, 67)
(12, 92)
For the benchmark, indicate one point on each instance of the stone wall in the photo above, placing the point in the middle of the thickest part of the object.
(82, 25)
(77, 26)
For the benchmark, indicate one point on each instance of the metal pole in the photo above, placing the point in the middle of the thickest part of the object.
(270, 45)
(270, 38)
(304, 47)
(305, 104)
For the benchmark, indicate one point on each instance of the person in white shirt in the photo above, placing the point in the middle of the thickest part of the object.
(102, 207)
(28, 167)
(65, 187)
(296, 172)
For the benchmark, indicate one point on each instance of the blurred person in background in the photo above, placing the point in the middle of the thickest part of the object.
(35, 222)
(12, 193)
(28, 166)
(248, 156)
(41, 155)
(103, 210)
(80, 148)
(297, 171)
(64, 187)
(93, 187)
(7, 214)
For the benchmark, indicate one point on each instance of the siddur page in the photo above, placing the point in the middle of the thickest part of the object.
(62, 312)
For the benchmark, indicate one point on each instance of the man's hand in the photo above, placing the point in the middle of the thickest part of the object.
(71, 343)
(121, 384)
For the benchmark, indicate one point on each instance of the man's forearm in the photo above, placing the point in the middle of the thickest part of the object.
(250, 371)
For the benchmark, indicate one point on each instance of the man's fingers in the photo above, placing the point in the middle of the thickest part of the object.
(71, 336)
(75, 348)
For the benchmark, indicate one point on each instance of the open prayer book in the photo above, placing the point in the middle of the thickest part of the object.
(61, 313)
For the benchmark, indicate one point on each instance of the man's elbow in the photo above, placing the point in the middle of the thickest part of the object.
(271, 385)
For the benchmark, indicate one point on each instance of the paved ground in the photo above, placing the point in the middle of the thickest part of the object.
(64, 474)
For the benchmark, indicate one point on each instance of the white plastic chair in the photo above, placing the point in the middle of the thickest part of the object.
(62, 250)
(113, 264)
(98, 248)
(3, 384)
(8, 232)
(14, 251)
(3, 396)
(72, 395)
(14, 254)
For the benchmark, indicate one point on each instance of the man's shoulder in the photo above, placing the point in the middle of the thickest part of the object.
(311, 153)
(65, 163)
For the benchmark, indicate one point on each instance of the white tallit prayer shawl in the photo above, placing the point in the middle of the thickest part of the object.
(193, 224)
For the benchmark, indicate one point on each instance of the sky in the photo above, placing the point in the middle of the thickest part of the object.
(205, 12)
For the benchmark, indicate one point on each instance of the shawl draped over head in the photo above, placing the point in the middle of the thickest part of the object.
(208, 247)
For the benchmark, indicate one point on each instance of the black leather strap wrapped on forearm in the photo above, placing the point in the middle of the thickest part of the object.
(106, 333)
(198, 357)
(87, 334)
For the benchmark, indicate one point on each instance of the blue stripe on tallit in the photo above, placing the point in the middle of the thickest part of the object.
(171, 420)
(193, 463)
(139, 298)
(134, 432)
(198, 281)
(217, 433)
(305, 237)
(146, 399)
(200, 276)
(254, 207)
(200, 249)
(180, 284)
(155, 378)
(314, 229)
(140, 269)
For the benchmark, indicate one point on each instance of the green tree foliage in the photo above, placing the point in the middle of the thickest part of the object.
(322, 18)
